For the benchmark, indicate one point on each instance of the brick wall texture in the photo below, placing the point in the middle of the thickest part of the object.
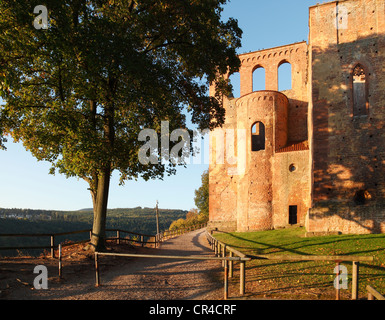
(320, 155)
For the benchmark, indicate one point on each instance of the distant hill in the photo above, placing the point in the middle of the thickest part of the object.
(138, 219)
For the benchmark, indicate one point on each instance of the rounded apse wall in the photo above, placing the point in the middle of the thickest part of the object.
(264, 115)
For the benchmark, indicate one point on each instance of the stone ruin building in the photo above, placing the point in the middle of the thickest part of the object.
(313, 155)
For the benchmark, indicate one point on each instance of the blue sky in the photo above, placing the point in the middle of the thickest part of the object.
(25, 183)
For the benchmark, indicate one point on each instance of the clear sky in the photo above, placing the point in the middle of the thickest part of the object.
(25, 183)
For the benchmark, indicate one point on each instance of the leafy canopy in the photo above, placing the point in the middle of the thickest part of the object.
(78, 93)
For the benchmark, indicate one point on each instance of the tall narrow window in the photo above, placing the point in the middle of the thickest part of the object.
(284, 76)
(259, 79)
(258, 137)
(360, 93)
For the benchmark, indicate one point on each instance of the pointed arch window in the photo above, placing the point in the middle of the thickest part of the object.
(258, 136)
(360, 91)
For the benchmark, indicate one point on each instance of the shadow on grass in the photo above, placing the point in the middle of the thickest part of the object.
(277, 278)
(304, 243)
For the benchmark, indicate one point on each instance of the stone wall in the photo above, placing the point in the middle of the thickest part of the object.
(348, 148)
(324, 139)
(291, 186)
(247, 197)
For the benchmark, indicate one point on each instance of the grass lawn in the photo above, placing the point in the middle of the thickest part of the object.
(305, 279)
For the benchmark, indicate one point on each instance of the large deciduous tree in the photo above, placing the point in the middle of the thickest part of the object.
(78, 93)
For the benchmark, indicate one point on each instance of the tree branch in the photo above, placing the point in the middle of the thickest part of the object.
(167, 44)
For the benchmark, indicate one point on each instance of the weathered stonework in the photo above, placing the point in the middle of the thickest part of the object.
(313, 155)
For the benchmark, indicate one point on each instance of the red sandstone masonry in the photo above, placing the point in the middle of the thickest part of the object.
(338, 183)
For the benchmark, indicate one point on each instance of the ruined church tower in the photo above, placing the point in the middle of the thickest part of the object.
(313, 155)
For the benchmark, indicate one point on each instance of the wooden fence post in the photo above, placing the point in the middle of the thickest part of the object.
(338, 285)
(374, 294)
(231, 265)
(117, 237)
(60, 258)
(355, 271)
(226, 284)
(97, 270)
(223, 254)
(242, 278)
(52, 246)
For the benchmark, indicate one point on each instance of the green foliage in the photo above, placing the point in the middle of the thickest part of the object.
(192, 219)
(202, 195)
(78, 94)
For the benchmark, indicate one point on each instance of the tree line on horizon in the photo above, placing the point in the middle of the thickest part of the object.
(139, 220)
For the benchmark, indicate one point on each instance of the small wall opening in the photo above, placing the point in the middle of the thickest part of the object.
(360, 95)
(293, 213)
(284, 76)
(361, 197)
(259, 79)
(258, 136)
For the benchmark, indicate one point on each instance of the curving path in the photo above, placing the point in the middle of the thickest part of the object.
(142, 278)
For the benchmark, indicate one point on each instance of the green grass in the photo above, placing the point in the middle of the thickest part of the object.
(306, 279)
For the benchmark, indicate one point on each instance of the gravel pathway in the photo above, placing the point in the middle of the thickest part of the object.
(138, 278)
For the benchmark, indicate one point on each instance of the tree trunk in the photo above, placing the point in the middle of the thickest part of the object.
(100, 211)
(102, 187)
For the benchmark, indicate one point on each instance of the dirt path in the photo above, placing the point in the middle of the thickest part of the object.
(122, 278)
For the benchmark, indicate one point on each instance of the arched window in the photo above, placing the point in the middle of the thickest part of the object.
(360, 91)
(284, 76)
(258, 136)
(259, 79)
